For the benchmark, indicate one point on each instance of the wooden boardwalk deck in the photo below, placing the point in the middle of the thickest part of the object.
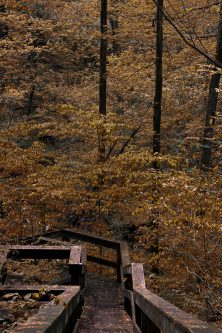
(103, 310)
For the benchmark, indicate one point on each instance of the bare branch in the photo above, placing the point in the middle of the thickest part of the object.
(189, 43)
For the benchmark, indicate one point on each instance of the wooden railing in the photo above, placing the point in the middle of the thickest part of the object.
(76, 256)
(149, 312)
(121, 248)
(54, 317)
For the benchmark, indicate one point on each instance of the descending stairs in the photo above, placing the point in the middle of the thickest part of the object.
(103, 310)
(107, 302)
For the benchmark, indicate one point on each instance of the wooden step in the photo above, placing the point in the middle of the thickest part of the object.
(103, 310)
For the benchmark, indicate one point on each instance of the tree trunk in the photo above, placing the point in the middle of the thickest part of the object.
(154, 246)
(114, 27)
(102, 78)
(31, 99)
(159, 78)
(210, 119)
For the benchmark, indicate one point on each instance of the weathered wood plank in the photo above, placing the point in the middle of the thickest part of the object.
(75, 234)
(103, 310)
(102, 261)
(167, 317)
(54, 317)
(50, 240)
(28, 288)
(124, 254)
(75, 255)
(93, 239)
(40, 252)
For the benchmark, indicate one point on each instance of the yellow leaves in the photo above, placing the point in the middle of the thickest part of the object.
(190, 9)
(13, 93)
(66, 109)
(58, 194)
(215, 9)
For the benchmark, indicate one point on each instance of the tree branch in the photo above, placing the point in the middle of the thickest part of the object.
(186, 41)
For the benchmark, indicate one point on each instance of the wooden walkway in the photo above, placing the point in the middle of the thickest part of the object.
(109, 306)
(103, 311)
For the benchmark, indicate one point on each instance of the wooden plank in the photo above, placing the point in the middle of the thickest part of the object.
(124, 254)
(54, 317)
(102, 241)
(49, 234)
(103, 309)
(32, 288)
(75, 255)
(40, 252)
(76, 326)
(37, 247)
(167, 317)
(75, 234)
(123, 259)
(50, 240)
(76, 267)
(127, 294)
(135, 273)
(83, 256)
(127, 270)
(136, 329)
(138, 279)
(102, 261)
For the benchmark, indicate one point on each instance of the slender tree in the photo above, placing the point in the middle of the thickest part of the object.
(102, 98)
(31, 100)
(103, 77)
(114, 27)
(159, 79)
(154, 226)
(210, 118)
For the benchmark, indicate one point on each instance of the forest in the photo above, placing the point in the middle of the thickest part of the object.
(111, 122)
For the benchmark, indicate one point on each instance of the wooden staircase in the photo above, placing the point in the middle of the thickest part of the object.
(94, 303)
(103, 310)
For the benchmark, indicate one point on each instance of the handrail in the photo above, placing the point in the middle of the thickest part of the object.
(151, 313)
(120, 247)
(54, 317)
(76, 256)
(67, 234)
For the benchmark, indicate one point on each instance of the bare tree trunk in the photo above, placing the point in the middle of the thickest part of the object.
(114, 27)
(103, 58)
(154, 226)
(31, 99)
(43, 216)
(102, 79)
(102, 98)
(210, 119)
(159, 78)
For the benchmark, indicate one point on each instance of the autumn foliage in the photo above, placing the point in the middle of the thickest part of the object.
(50, 131)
